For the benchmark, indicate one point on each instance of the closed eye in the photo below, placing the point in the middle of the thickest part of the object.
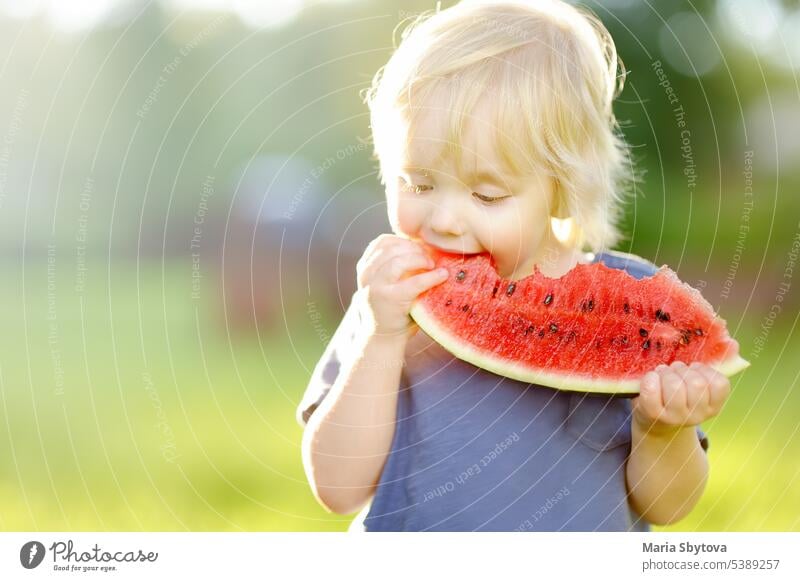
(406, 185)
(409, 187)
(489, 200)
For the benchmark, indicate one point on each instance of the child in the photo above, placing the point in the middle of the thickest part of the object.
(494, 131)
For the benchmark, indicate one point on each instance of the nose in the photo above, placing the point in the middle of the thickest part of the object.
(444, 218)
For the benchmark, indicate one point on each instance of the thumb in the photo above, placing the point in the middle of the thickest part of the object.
(413, 328)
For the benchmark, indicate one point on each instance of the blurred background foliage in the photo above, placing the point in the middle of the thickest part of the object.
(185, 187)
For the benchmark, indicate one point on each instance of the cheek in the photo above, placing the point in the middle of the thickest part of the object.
(512, 227)
(405, 215)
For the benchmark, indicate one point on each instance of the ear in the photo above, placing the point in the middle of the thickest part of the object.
(558, 205)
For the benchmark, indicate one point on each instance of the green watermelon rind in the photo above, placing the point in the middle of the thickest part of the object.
(568, 382)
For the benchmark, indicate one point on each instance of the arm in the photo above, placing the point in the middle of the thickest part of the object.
(667, 469)
(666, 473)
(349, 436)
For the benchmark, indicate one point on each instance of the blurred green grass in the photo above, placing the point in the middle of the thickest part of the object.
(92, 458)
(145, 367)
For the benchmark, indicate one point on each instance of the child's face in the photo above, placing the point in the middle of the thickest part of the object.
(488, 210)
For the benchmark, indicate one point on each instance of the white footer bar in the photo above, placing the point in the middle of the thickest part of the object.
(406, 556)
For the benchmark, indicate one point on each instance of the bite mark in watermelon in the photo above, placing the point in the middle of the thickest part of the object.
(595, 329)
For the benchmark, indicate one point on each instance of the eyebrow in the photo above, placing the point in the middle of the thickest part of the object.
(488, 177)
(480, 177)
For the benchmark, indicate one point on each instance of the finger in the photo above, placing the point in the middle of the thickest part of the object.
(369, 261)
(369, 266)
(392, 248)
(680, 368)
(673, 392)
(391, 243)
(374, 243)
(650, 395)
(685, 374)
(697, 391)
(719, 386)
(412, 286)
(708, 375)
(378, 245)
(406, 248)
(394, 270)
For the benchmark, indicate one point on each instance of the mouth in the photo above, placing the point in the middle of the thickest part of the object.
(438, 248)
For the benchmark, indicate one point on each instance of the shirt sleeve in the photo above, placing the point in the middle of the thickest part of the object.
(702, 437)
(633, 264)
(327, 368)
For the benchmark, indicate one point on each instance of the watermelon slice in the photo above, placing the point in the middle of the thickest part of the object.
(595, 329)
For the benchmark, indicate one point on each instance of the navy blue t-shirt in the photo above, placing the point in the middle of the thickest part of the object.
(474, 451)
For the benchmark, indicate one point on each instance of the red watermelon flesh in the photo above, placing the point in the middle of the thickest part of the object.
(595, 329)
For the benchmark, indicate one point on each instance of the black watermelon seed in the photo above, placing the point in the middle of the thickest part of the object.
(643, 332)
(626, 307)
(686, 336)
(646, 344)
(553, 328)
(465, 308)
(662, 316)
(587, 306)
(658, 345)
(698, 332)
(624, 339)
(541, 333)
(530, 329)
(496, 287)
(461, 275)
(510, 289)
(548, 299)
(448, 302)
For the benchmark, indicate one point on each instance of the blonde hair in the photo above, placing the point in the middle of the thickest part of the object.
(553, 68)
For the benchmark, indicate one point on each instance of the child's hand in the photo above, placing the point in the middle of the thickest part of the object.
(678, 395)
(385, 276)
